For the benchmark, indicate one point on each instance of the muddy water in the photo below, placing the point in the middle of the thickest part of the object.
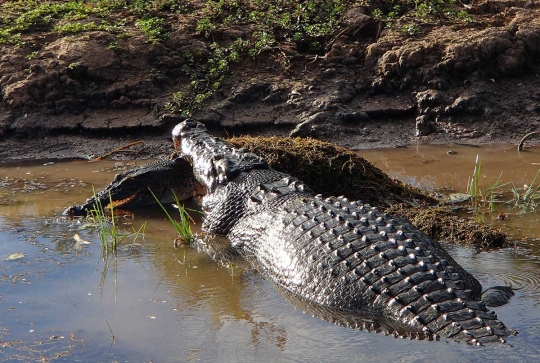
(448, 169)
(66, 301)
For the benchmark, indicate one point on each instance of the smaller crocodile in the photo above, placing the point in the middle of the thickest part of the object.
(164, 178)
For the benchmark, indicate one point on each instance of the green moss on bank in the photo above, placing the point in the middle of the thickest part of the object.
(306, 27)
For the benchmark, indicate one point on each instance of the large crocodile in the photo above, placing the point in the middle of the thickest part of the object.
(334, 252)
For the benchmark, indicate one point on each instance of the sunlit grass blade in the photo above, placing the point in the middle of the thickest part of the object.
(474, 189)
(183, 228)
(108, 230)
(138, 232)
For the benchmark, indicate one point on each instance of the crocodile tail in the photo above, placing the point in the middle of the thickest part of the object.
(473, 323)
(497, 295)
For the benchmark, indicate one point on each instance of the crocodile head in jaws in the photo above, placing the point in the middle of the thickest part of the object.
(139, 186)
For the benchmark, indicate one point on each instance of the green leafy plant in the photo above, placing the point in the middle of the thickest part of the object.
(153, 28)
(207, 72)
(412, 29)
(32, 55)
(205, 26)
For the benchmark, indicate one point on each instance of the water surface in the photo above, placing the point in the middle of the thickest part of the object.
(65, 301)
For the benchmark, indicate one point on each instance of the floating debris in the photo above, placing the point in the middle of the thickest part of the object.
(79, 242)
(15, 256)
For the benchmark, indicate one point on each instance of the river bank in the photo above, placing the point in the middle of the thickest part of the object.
(72, 93)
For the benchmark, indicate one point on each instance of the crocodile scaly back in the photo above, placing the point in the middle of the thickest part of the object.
(340, 254)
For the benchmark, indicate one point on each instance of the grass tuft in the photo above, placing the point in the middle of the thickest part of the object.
(185, 235)
(108, 232)
(527, 198)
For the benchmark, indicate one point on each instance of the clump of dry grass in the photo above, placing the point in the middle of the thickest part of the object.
(332, 170)
(442, 223)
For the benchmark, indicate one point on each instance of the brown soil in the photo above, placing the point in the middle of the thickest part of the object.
(473, 82)
(76, 97)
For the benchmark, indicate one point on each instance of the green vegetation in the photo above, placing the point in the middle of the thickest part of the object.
(427, 10)
(185, 235)
(109, 234)
(207, 72)
(487, 199)
(528, 197)
(310, 26)
(473, 188)
(153, 28)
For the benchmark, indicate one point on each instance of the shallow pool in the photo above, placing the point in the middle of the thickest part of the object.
(64, 300)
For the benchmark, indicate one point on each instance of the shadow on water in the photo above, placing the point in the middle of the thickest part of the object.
(62, 302)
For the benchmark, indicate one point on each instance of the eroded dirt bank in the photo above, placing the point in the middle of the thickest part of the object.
(373, 85)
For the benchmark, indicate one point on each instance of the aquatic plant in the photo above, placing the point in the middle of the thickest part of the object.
(473, 188)
(528, 197)
(185, 235)
(108, 232)
(525, 199)
(492, 192)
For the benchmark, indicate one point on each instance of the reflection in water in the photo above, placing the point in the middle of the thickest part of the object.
(226, 290)
(218, 248)
(353, 319)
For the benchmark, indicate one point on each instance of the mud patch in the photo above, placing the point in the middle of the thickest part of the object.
(442, 223)
(332, 170)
